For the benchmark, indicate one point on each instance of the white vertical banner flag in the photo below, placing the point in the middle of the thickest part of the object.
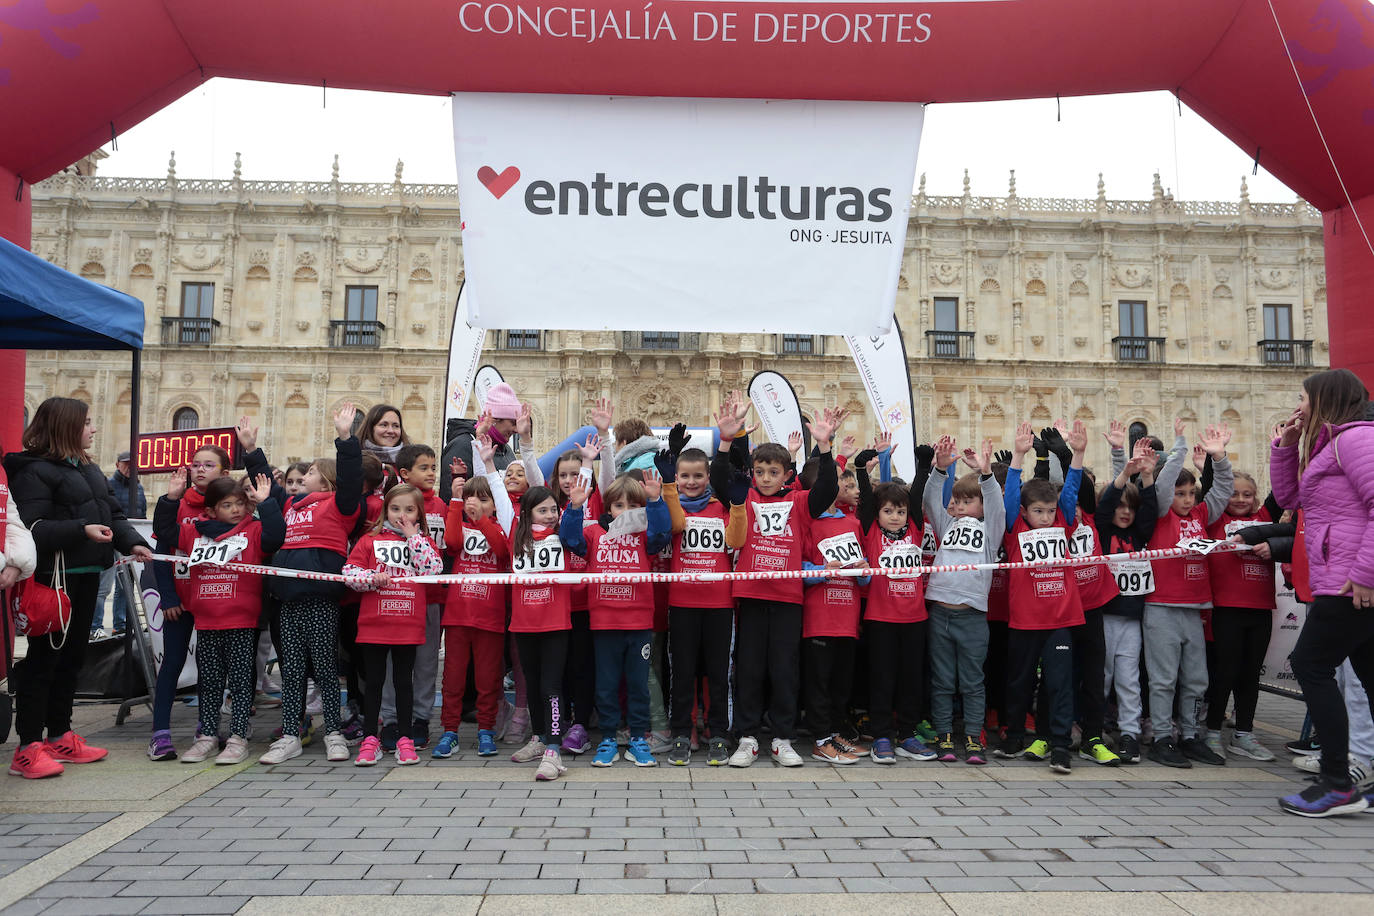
(775, 401)
(882, 366)
(487, 378)
(464, 350)
(733, 215)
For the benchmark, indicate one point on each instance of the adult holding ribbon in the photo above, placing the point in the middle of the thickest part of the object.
(77, 524)
(1323, 460)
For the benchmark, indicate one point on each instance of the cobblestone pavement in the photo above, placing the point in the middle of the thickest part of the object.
(127, 836)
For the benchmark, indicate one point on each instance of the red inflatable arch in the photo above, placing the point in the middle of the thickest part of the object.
(74, 71)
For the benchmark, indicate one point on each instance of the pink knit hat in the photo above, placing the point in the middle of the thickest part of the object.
(502, 403)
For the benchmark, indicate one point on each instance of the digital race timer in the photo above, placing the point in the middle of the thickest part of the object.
(162, 453)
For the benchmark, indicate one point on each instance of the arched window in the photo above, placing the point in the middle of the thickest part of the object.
(186, 418)
(1137, 431)
(358, 418)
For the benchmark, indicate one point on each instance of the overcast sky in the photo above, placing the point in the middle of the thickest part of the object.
(284, 132)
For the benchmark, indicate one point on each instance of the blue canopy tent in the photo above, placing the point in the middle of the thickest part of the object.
(43, 307)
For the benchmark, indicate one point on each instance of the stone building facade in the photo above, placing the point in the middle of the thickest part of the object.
(282, 300)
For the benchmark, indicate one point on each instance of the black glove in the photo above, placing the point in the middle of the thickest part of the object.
(1054, 441)
(677, 439)
(862, 459)
(739, 488)
(1003, 456)
(1041, 449)
(665, 462)
(739, 453)
(925, 456)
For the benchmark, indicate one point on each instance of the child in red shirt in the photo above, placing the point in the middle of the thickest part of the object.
(391, 617)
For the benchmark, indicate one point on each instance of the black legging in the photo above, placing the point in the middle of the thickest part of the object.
(1090, 672)
(542, 658)
(1335, 630)
(579, 673)
(1241, 638)
(374, 672)
(45, 681)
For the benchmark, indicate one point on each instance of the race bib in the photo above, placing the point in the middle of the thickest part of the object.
(217, 553)
(1043, 544)
(546, 556)
(181, 570)
(1133, 577)
(843, 549)
(903, 558)
(1083, 543)
(704, 535)
(770, 519)
(395, 554)
(966, 534)
(928, 543)
(436, 527)
(1203, 546)
(1233, 527)
(475, 543)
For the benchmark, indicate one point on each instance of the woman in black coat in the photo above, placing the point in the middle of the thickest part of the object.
(66, 501)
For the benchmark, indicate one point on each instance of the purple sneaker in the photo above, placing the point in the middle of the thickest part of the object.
(576, 741)
(1323, 800)
(160, 746)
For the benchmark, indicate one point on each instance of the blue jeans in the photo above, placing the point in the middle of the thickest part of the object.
(176, 643)
(109, 581)
(623, 654)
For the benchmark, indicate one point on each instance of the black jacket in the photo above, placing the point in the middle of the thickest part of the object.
(119, 484)
(458, 443)
(57, 500)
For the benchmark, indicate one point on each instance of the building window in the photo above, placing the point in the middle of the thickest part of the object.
(522, 339)
(196, 324)
(660, 340)
(1134, 343)
(186, 418)
(1278, 348)
(946, 341)
(360, 327)
(799, 345)
(946, 313)
(1278, 322)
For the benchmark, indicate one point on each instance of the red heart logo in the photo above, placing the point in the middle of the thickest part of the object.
(498, 183)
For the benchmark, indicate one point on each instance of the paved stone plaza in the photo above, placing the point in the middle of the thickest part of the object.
(467, 836)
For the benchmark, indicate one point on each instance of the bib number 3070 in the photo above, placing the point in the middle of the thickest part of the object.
(1043, 544)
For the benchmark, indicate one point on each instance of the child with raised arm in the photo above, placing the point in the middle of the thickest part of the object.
(622, 616)
(1175, 645)
(1125, 519)
(1044, 602)
(770, 612)
(969, 531)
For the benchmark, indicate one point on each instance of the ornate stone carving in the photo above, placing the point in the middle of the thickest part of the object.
(1080, 342)
(1035, 271)
(302, 325)
(1078, 271)
(991, 339)
(305, 259)
(1275, 279)
(260, 257)
(946, 274)
(200, 259)
(143, 255)
(990, 268)
(361, 262)
(254, 325)
(1130, 276)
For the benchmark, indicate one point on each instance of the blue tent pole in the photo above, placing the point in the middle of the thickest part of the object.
(131, 496)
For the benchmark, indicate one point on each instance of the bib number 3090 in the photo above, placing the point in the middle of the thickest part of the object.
(392, 553)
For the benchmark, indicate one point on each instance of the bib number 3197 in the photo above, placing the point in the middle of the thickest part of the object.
(546, 557)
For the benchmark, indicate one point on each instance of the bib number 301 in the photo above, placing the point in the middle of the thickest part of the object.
(206, 550)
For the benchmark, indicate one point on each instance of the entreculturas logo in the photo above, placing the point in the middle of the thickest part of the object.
(743, 198)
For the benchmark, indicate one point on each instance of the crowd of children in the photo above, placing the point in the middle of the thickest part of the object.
(1026, 663)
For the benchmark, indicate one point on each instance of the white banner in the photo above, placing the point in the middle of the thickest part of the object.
(1288, 621)
(776, 404)
(487, 378)
(464, 350)
(733, 215)
(882, 366)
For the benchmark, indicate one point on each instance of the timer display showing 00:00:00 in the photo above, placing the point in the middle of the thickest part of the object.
(171, 450)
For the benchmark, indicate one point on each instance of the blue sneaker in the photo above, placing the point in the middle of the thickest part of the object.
(1322, 800)
(448, 743)
(640, 754)
(914, 749)
(881, 752)
(486, 743)
(606, 752)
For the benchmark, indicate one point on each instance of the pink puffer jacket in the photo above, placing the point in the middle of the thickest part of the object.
(1337, 495)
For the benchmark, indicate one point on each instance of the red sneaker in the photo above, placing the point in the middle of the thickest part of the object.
(72, 748)
(32, 761)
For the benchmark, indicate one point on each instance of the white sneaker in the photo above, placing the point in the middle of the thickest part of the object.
(746, 753)
(335, 746)
(1213, 741)
(235, 751)
(200, 751)
(1361, 773)
(550, 767)
(660, 742)
(314, 706)
(783, 753)
(1244, 744)
(282, 750)
(531, 751)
